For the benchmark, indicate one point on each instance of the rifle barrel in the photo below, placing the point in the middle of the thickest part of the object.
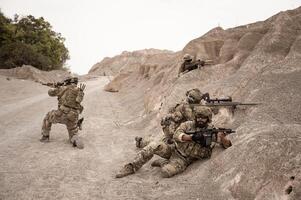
(225, 103)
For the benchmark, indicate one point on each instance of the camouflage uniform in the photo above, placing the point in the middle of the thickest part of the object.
(185, 152)
(180, 113)
(189, 65)
(188, 151)
(164, 148)
(69, 99)
(169, 125)
(181, 154)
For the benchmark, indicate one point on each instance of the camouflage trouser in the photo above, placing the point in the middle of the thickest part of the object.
(159, 148)
(69, 117)
(144, 142)
(177, 163)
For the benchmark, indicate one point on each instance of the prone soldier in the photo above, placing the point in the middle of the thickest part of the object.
(188, 64)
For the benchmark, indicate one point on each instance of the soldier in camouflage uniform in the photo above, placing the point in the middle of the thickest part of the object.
(69, 98)
(177, 157)
(189, 65)
(187, 149)
(178, 114)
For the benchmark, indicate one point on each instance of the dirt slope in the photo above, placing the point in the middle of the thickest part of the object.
(30, 169)
(259, 62)
(28, 72)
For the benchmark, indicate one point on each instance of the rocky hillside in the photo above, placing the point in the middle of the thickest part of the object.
(127, 61)
(259, 62)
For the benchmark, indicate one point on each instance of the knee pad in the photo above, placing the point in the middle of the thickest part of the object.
(146, 154)
(168, 171)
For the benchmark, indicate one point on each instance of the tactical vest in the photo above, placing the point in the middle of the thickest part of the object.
(192, 149)
(72, 97)
(186, 110)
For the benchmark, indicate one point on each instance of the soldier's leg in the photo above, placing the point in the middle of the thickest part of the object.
(143, 157)
(51, 117)
(175, 166)
(141, 142)
(72, 127)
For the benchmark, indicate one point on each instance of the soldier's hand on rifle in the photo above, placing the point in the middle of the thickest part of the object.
(221, 138)
(82, 86)
(201, 63)
(198, 138)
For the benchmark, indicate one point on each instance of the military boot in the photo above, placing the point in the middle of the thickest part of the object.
(77, 142)
(138, 142)
(44, 139)
(80, 123)
(159, 163)
(126, 170)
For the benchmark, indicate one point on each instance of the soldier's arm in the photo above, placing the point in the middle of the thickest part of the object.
(54, 91)
(180, 134)
(81, 93)
(221, 138)
(182, 67)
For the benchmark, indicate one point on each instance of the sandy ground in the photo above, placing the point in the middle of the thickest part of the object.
(33, 170)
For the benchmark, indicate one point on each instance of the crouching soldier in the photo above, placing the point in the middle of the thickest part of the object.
(179, 113)
(191, 142)
(187, 148)
(69, 98)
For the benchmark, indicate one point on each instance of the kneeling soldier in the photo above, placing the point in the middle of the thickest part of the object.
(69, 98)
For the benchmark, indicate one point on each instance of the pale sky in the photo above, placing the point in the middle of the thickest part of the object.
(95, 29)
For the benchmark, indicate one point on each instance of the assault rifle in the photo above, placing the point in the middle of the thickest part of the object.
(202, 63)
(230, 104)
(207, 98)
(222, 102)
(198, 63)
(58, 84)
(226, 104)
(207, 135)
(54, 85)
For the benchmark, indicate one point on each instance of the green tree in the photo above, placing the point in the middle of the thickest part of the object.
(41, 46)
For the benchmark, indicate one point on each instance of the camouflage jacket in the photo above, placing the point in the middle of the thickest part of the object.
(189, 149)
(190, 65)
(69, 96)
(186, 110)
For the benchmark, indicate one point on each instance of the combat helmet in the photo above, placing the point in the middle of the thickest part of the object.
(203, 112)
(187, 57)
(177, 116)
(71, 79)
(194, 95)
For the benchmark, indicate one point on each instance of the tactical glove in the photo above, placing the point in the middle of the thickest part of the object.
(82, 87)
(198, 138)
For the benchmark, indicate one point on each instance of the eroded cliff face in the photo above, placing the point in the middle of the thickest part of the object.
(127, 62)
(259, 62)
